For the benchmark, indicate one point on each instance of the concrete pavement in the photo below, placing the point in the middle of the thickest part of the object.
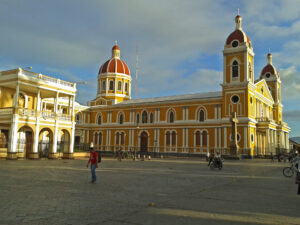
(167, 191)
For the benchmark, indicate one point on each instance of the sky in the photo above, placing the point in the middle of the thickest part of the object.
(179, 42)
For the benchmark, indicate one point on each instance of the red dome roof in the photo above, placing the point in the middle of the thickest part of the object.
(237, 35)
(268, 68)
(116, 47)
(114, 65)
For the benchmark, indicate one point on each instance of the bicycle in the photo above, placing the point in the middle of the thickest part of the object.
(289, 171)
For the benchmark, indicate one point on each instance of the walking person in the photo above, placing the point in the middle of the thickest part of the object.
(93, 160)
(296, 160)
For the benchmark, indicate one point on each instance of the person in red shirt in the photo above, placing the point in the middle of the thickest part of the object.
(94, 162)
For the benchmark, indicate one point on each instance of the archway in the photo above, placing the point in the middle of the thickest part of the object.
(45, 142)
(63, 142)
(144, 142)
(24, 141)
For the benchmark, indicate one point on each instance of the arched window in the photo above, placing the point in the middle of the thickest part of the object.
(168, 138)
(121, 119)
(235, 69)
(151, 117)
(144, 117)
(201, 115)
(100, 139)
(117, 138)
(173, 138)
(111, 85)
(204, 138)
(250, 70)
(171, 118)
(126, 87)
(197, 138)
(119, 86)
(137, 118)
(122, 138)
(99, 120)
(96, 139)
(103, 85)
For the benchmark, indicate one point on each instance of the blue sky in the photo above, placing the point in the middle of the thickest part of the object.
(180, 42)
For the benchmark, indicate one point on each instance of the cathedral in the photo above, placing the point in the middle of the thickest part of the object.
(39, 116)
(193, 123)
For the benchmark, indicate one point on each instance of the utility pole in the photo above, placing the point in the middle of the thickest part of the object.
(136, 70)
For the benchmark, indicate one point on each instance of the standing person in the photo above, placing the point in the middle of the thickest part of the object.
(94, 162)
(272, 157)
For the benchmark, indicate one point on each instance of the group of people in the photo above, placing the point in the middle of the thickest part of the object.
(216, 159)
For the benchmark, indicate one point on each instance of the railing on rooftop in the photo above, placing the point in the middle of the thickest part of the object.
(48, 79)
(6, 111)
(27, 112)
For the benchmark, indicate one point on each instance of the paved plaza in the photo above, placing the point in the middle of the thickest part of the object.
(160, 191)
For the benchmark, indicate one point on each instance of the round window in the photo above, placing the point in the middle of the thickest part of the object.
(234, 44)
(262, 90)
(235, 99)
(268, 75)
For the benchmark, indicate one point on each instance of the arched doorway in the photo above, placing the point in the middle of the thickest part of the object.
(63, 142)
(45, 142)
(24, 141)
(144, 142)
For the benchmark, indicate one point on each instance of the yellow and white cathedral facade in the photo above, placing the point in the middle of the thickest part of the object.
(192, 123)
(39, 116)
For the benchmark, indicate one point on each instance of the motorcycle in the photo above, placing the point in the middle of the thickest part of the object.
(216, 164)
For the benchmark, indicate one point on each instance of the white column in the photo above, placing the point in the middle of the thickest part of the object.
(106, 83)
(187, 113)
(216, 136)
(220, 138)
(183, 138)
(158, 138)
(183, 113)
(37, 125)
(245, 137)
(70, 106)
(268, 141)
(123, 84)
(115, 85)
(187, 137)
(225, 137)
(56, 103)
(17, 95)
(207, 142)
(73, 106)
(13, 134)
(55, 137)
(88, 136)
(72, 138)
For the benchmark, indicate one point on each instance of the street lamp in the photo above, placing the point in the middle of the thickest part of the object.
(137, 141)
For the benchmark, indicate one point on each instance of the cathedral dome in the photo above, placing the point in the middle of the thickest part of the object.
(269, 70)
(115, 64)
(238, 36)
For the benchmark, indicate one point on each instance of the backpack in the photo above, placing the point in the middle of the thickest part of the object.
(99, 157)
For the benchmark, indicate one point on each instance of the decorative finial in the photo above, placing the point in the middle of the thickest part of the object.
(116, 42)
(238, 11)
(269, 51)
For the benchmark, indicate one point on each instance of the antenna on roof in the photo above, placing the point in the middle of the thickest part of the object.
(136, 70)
(238, 11)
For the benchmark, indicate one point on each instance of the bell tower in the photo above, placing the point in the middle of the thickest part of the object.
(238, 59)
